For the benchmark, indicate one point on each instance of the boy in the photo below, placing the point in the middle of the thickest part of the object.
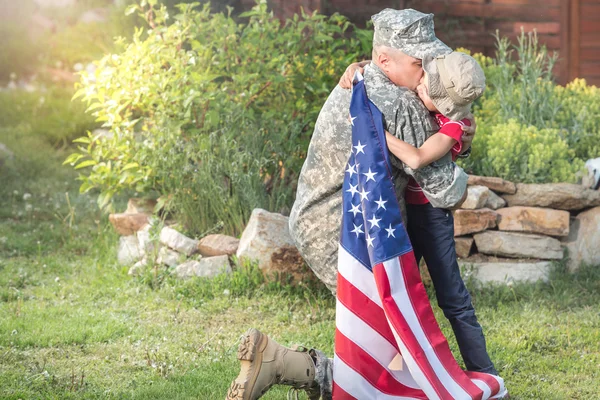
(450, 84)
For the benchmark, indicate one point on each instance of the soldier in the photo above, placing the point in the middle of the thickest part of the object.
(401, 40)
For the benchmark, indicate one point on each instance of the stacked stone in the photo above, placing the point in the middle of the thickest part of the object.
(507, 232)
(183, 256)
(265, 241)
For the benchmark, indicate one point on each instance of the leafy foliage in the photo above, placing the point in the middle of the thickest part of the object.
(213, 114)
(529, 128)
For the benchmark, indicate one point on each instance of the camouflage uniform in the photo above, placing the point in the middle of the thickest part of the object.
(315, 219)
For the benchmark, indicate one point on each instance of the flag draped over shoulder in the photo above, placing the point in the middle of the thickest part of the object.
(388, 344)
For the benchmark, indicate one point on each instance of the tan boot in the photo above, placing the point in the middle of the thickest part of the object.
(265, 363)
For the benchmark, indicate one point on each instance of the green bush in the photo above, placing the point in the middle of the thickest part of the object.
(525, 153)
(531, 129)
(213, 114)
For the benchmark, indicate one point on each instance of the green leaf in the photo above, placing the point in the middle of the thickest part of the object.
(87, 163)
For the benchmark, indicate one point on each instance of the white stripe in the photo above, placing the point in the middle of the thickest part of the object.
(356, 273)
(414, 368)
(371, 342)
(487, 391)
(502, 391)
(400, 295)
(355, 385)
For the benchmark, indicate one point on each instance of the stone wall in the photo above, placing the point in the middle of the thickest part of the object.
(513, 232)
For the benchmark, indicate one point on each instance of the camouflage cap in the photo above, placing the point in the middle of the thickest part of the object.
(454, 81)
(409, 31)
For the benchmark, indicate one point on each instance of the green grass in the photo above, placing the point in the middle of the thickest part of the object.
(74, 325)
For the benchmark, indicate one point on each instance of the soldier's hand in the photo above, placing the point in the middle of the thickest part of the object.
(469, 133)
(346, 79)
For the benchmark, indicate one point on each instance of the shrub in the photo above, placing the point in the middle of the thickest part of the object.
(550, 129)
(526, 154)
(214, 114)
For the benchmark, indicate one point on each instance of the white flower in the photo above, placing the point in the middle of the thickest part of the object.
(26, 196)
(28, 207)
(78, 67)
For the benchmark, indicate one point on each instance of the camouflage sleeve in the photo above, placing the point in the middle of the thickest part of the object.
(443, 182)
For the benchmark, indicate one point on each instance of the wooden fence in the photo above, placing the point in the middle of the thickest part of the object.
(571, 27)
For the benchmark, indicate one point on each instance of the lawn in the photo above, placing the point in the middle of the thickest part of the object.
(73, 324)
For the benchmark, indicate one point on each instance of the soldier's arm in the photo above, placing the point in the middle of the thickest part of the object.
(443, 182)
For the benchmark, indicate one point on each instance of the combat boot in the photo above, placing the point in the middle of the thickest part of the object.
(264, 363)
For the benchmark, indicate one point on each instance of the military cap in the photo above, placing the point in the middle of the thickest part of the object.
(454, 81)
(409, 31)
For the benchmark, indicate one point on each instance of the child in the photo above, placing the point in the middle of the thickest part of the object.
(450, 84)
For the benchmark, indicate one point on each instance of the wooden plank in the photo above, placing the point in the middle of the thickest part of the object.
(590, 12)
(589, 40)
(574, 39)
(589, 68)
(590, 53)
(551, 3)
(593, 80)
(564, 60)
(590, 26)
(540, 27)
(529, 13)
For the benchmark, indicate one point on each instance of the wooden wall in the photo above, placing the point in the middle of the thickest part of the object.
(571, 27)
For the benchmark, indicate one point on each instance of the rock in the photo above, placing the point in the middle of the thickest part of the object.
(178, 242)
(583, 242)
(206, 267)
(168, 257)
(218, 245)
(145, 242)
(128, 252)
(137, 268)
(518, 245)
(494, 201)
(545, 221)
(463, 246)
(477, 196)
(562, 196)
(593, 167)
(471, 221)
(212, 266)
(267, 240)
(498, 185)
(509, 272)
(128, 224)
(136, 205)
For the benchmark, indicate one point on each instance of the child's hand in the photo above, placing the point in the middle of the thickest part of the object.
(346, 79)
(469, 133)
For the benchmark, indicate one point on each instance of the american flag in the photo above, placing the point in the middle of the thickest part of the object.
(388, 344)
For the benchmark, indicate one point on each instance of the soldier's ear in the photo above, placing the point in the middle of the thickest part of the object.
(383, 60)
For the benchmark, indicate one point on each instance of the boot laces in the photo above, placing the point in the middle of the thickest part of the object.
(292, 394)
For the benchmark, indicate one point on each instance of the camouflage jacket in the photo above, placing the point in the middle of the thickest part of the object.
(315, 219)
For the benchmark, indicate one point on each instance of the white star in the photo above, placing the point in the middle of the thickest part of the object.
(357, 230)
(370, 175)
(390, 231)
(352, 119)
(359, 148)
(351, 169)
(355, 210)
(381, 203)
(363, 195)
(370, 241)
(374, 221)
(353, 189)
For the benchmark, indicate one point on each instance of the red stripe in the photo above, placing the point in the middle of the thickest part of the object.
(489, 380)
(405, 332)
(364, 308)
(420, 302)
(340, 394)
(370, 369)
